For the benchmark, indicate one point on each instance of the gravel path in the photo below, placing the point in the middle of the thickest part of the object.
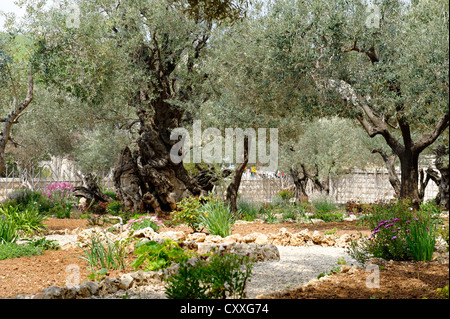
(296, 267)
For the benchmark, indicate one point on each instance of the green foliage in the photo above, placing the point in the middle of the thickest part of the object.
(13, 250)
(109, 255)
(331, 216)
(219, 276)
(98, 275)
(27, 222)
(189, 212)
(412, 236)
(387, 210)
(421, 237)
(249, 211)
(285, 194)
(217, 218)
(323, 205)
(114, 207)
(110, 193)
(442, 292)
(144, 221)
(154, 256)
(8, 230)
(44, 243)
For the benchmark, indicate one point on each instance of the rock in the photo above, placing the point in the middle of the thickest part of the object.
(147, 232)
(214, 239)
(261, 239)
(53, 292)
(197, 237)
(86, 289)
(316, 237)
(108, 286)
(125, 281)
(233, 238)
(204, 248)
(343, 241)
(316, 221)
(172, 235)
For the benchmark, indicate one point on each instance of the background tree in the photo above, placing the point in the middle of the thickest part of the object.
(388, 72)
(16, 93)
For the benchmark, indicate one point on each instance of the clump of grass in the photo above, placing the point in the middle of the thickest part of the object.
(323, 205)
(109, 255)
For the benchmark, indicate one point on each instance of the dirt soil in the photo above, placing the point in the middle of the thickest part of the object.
(399, 280)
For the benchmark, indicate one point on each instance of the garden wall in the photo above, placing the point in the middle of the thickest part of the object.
(366, 186)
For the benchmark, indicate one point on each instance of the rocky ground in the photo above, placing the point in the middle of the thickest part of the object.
(297, 266)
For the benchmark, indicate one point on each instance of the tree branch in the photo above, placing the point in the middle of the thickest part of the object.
(428, 138)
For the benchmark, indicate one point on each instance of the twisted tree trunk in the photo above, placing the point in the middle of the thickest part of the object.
(233, 187)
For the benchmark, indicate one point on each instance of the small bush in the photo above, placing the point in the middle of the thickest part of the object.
(323, 205)
(285, 195)
(332, 216)
(219, 276)
(188, 211)
(144, 222)
(217, 218)
(248, 211)
(114, 208)
(27, 222)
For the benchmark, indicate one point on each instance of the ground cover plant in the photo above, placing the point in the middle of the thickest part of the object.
(154, 256)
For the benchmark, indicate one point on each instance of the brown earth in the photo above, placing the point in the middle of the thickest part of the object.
(408, 280)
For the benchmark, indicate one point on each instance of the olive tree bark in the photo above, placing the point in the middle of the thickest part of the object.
(11, 119)
(146, 179)
(440, 177)
(300, 180)
(233, 187)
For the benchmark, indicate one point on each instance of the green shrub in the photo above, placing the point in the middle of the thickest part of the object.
(285, 195)
(248, 211)
(144, 221)
(114, 208)
(13, 250)
(323, 205)
(332, 216)
(188, 211)
(154, 256)
(28, 222)
(219, 276)
(387, 210)
(398, 239)
(290, 212)
(217, 218)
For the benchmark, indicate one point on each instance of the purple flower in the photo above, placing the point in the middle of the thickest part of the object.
(394, 237)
